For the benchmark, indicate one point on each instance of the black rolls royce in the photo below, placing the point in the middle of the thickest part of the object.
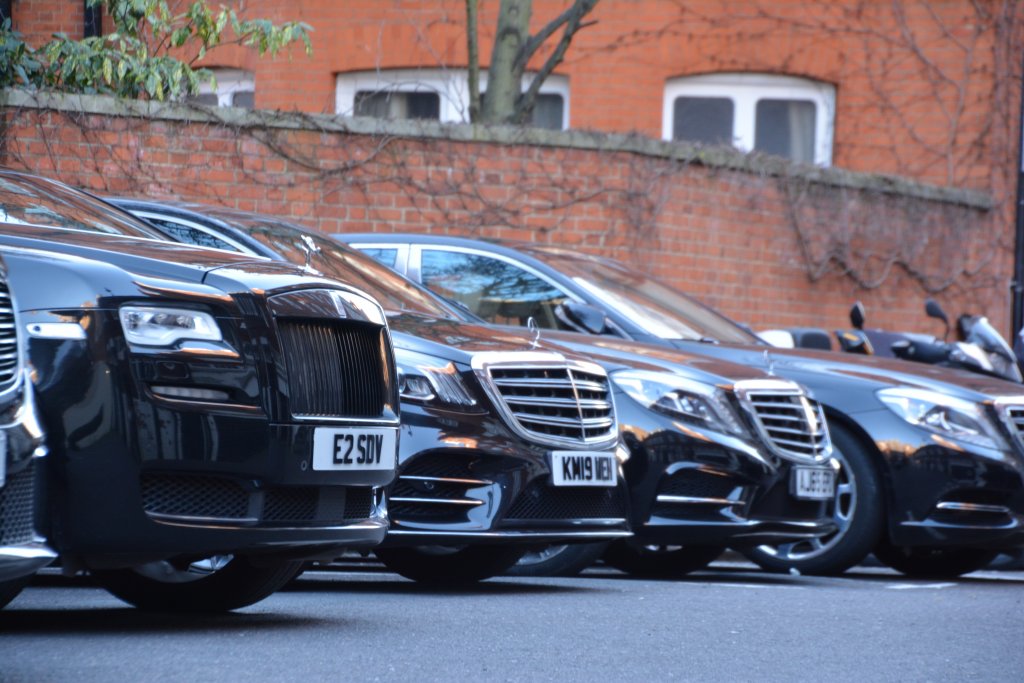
(212, 420)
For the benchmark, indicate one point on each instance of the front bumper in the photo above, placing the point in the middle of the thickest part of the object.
(942, 493)
(689, 486)
(464, 478)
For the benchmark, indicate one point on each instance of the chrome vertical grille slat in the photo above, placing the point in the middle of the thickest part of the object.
(334, 368)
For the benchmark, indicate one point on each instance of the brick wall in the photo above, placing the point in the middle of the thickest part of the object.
(925, 89)
(763, 242)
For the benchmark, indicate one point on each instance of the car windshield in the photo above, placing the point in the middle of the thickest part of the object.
(34, 201)
(343, 263)
(657, 308)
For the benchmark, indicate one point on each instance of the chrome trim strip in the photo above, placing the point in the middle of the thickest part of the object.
(691, 500)
(568, 533)
(972, 507)
(446, 480)
(466, 502)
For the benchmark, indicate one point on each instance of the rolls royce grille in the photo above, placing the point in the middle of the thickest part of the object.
(8, 338)
(564, 403)
(335, 368)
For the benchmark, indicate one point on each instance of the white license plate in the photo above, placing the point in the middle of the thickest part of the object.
(576, 468)
(354, 449)
(814, 483)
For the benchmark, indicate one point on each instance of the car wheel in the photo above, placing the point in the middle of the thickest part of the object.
(558, 560)
(934, 562)
(442, 565)
(857, 512)
(214, 584)
(10, 589)
(664, 561)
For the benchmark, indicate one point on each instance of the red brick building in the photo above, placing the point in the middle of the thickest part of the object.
(927, 90)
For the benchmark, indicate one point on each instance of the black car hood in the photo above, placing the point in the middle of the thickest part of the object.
(615, 354)
(161, 260)
(454, 340)
(831, 373)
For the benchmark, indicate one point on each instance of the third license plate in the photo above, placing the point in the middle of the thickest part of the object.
(583, 468)
(814, 483)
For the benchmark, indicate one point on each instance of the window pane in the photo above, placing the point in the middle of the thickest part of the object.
(548, 111)
(398, 105)
(385, 256)
(244, 98)
(494, 290)
(785, 128)
(190, 235)
(372, 104)
(703, 119)
(209, 99)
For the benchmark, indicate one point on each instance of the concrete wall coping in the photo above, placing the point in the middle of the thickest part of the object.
(725, 158)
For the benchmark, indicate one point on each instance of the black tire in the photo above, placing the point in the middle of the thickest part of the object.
(558, 560)
(10, 589)
(936, 563)
(450, 566)
(859, 512)
(236, 584)
(660, 561)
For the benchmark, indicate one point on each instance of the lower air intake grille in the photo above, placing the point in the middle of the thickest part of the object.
(17, 505)
(335, 368)
(558, 404)
(792, 424)
(697, 484)
(178, 496)
(541, 501)
(215, 498)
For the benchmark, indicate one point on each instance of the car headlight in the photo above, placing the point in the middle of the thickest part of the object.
(948, 416)
(161, 326)
(426, 379)
(703, 404)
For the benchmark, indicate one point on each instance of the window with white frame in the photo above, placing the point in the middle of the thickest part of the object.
(437, 94)
(781, 115)
(233, 88)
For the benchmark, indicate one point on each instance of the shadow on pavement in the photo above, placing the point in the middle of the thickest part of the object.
(391, 584)
(127, 620)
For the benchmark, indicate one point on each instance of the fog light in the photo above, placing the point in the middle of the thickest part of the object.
(192, 393)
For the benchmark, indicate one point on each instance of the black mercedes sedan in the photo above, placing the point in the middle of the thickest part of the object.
(719, 454)
(22, 548)
(212, 419)
(932, 461)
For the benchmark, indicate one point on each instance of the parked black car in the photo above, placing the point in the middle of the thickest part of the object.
(22, 549)
(212, 419)
(932, 476)
(709, 466)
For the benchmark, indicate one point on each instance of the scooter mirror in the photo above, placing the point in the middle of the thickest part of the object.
(857, 315)
(934, 310)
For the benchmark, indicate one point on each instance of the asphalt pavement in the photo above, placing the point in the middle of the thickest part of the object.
(730, 623)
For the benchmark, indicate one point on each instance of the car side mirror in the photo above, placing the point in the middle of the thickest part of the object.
(857, 315)
(581, 317)
(933, 310)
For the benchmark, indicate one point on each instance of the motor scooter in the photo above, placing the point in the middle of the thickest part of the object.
(979, 347)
